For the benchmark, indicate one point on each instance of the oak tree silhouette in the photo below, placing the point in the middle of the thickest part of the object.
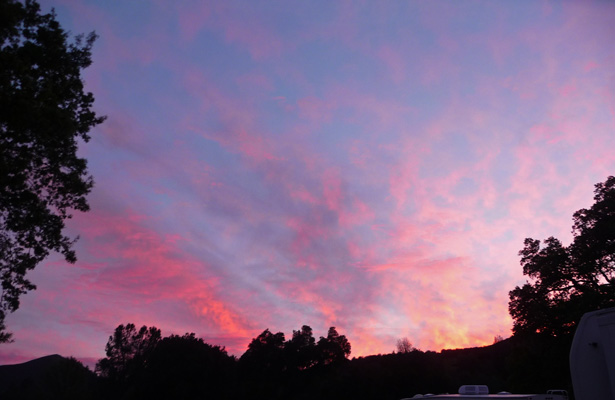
(44, 114)
(568, 281)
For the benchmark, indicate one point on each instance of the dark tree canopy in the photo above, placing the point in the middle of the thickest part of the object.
(301, 349)
(333, 348)
(126, 350)
(568, 281)
(141, 364)
(269, 355)
(265, 353)
(44, 113)
(185, 367)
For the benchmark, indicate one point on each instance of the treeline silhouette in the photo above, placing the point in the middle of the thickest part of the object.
(186, 367)
(141, 364)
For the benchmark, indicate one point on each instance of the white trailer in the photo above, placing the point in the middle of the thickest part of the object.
(592, 356)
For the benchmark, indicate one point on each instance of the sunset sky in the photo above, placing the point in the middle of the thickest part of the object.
(368, 165)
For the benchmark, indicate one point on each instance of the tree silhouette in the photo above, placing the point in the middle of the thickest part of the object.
(186, 367)
(44, 113)
(295, 369)
(126, 350)
(404, 345)
(265, 353)
(300, 350)
(333, 348)
(568, 281)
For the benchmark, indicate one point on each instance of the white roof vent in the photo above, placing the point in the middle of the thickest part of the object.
(474, 389)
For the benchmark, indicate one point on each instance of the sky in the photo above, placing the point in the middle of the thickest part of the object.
(369, 165)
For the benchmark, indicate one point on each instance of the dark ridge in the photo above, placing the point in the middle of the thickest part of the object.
(49, 377)
(17, 373)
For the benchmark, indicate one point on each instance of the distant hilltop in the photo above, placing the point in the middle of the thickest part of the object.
(49, 377)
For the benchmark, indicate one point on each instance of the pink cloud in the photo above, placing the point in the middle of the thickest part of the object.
(590, 66)
(134, 261)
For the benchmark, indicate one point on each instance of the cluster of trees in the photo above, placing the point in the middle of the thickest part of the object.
(143, 364)
(185, 367)
(140, 363)
(271, 353)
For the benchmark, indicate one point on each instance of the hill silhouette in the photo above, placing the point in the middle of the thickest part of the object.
(49, 377)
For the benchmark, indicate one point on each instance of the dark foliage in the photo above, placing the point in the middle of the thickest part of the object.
(300, 351)
(265, 354)
(506, 365)
(568, 281)
(276, 368)
(334, 348)
(44, 113)
(127, 351)
(186, 367)
(143, 365)
(539, 362)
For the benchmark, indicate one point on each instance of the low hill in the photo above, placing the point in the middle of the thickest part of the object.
(49, 377)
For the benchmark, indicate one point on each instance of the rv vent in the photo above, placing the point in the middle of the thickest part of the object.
(474, 389)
